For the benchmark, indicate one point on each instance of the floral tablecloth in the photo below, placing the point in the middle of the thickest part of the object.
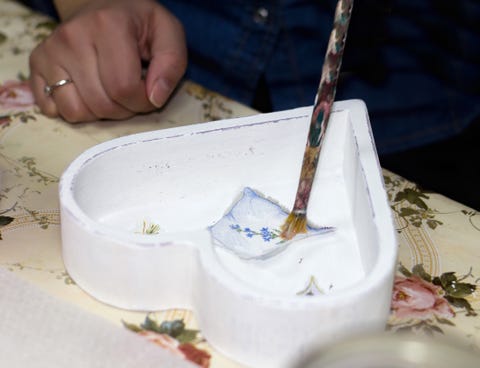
(436, 291)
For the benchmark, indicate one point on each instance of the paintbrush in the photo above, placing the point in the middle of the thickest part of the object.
(296, 221)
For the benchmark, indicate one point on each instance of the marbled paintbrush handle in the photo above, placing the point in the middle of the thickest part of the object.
(323, 103)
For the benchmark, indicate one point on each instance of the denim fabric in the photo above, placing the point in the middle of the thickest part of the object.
(43, 6)
(416, 63)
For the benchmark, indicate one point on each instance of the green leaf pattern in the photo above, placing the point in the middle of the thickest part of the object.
(411, 206)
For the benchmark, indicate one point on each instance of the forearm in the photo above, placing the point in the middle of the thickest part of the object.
(67, 8)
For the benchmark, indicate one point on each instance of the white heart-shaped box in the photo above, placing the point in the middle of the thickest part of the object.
(263, 313)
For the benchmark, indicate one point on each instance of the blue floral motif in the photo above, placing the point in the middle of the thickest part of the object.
(248, 232)
(268, 235)
(264, 232)
(250, 229)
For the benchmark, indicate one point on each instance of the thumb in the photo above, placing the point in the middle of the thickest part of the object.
(168, 57)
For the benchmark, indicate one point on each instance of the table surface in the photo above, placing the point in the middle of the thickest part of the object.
(435, 293)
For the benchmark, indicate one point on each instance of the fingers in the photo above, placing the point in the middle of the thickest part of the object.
(66, 56)
(101, 50)
(120, 71)
(85, 73)
(47, 105)
(164, 73)
(168, 54)
(65, 101)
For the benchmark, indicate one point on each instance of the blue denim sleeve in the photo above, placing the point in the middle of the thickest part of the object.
(415, 63)
(43, 6)
(423, 83)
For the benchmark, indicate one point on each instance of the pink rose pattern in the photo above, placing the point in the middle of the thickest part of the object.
(421, 302)
(165, 341)
(186, 351)
(16, 95)
(414, 297)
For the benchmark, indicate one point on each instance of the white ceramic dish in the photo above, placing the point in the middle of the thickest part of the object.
(259, 312)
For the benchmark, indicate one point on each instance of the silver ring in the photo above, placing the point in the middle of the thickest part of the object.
(51, 88)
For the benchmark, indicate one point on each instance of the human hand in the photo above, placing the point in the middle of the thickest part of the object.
(101, 48)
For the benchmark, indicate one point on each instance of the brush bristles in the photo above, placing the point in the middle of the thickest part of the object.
(294, 224)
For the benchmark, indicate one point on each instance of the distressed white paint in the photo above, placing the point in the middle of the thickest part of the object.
(185, 179)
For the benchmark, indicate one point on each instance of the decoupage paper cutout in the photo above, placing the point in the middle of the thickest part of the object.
(251, 228)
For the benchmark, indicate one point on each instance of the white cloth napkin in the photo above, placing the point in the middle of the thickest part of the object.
(38, 330)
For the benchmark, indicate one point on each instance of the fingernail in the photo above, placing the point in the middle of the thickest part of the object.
(160, 92)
